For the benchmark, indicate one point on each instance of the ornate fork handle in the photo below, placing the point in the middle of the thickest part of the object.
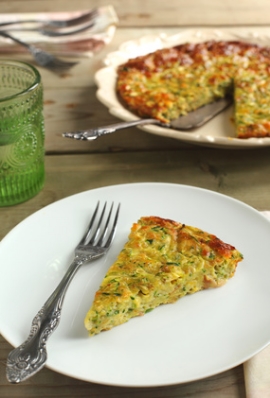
(94, 133)
(27, 359)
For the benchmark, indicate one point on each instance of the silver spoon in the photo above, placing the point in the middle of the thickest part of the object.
(189, 122)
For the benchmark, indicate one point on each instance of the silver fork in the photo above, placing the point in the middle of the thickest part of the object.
(42, 58)
(27, 359)
(62, 23)
(52, 32)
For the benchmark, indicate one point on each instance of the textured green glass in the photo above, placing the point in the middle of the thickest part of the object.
(21, 133)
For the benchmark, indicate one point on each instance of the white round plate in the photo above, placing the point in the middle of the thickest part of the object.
(199, 336)
(220, 131)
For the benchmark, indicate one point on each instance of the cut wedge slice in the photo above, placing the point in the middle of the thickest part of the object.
(162, 261)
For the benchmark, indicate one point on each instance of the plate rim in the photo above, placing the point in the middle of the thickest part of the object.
(160, 40)
(185, 186)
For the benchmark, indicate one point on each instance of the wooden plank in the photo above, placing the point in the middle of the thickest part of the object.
(70, 103)
(133, 156)
(50, 384)
(223, 171)
(161, 13)
(77, 108)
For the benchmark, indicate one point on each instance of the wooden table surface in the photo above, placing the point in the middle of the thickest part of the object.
(133, 156)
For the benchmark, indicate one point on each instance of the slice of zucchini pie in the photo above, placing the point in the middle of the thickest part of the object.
(162, 261)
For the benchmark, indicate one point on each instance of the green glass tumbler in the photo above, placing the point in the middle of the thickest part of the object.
(21, 132)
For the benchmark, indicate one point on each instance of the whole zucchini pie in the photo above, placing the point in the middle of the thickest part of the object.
(171, 82)
(162, 261)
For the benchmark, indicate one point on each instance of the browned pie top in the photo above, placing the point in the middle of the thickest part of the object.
(171, 82)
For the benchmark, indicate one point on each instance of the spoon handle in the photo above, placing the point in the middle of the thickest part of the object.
(185, 123)
(92, 134)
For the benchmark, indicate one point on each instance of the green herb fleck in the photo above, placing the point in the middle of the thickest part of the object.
(172, 263)
(149, 310)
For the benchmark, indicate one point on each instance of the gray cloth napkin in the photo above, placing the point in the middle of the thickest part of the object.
(257, 369)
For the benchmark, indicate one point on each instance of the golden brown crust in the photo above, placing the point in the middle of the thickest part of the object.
(162, 261)
(195, 53)
(173, 81)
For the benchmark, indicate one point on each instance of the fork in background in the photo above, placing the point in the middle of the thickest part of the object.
(61, 23)
(42, 58)
(27, 359)
(52, 32)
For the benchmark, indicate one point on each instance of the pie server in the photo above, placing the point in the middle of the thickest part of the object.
(188, 122)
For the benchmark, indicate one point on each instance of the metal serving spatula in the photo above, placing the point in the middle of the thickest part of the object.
(189, 122)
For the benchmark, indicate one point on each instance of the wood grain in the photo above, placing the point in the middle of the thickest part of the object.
(221, 171)
(74, 105)
(161, 13)
(50, 384)
(132, 155)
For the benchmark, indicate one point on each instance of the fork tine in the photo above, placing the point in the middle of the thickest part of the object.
(111, 236)
(62, 23)
(57, 68)
(43, 58)
(58, 63)
(61, 33)
(91, 236)
(86, 237)
(105, 229)
(74, 21)
(94, 237)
